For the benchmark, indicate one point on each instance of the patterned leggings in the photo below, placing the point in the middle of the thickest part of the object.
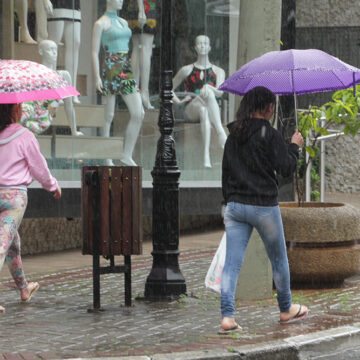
(12, 207)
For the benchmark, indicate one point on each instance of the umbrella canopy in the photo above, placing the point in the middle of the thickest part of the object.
(291, 72)
(22, 81)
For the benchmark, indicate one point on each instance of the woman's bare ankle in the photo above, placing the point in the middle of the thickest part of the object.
(228, 323)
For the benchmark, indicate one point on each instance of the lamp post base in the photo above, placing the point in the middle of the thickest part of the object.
(165, 281)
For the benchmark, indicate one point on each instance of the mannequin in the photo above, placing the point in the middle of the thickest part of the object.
(43, 8)
(113, 34)
(202, 80)
(143, 24)
(48, 53)
(22, 8)
(65, 22)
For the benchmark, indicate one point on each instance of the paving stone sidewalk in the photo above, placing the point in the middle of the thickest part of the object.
(56, 324)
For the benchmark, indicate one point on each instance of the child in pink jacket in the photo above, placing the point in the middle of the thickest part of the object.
(20, 162)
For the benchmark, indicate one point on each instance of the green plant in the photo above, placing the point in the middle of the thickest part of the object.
(182, 299)
(341, 114)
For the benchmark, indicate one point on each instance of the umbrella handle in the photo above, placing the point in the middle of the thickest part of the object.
(296, 117)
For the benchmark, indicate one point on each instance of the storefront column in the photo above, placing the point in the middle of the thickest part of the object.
(259, 32)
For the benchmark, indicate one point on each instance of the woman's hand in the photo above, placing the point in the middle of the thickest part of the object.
(297, 138)
(57, 193)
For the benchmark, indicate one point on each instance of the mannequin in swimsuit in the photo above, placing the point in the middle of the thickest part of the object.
(113, 34)
(41, 6)
(143, 24)
(202, 80)
(65, 22)
(48, 53)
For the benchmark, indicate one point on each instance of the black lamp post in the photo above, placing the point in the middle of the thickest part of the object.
(165, 280)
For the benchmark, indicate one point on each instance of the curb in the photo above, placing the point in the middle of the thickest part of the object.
(337, 343)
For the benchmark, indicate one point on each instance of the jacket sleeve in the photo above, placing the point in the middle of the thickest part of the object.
(38, 166)
(284, 156)
(225, 172)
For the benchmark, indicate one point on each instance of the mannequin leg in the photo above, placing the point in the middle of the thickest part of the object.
(70, 114)
(72, 32)
(133, 102)
(109, 104)
(41, 21)
(69, 107)
(145, 67)
(196, 110)
(22, 8)
(135, 57)
(215, 117)
(55, 31)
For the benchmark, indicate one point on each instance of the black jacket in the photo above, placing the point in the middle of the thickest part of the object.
(251, 162)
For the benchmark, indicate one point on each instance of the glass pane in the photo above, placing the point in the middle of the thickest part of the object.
(117, 72)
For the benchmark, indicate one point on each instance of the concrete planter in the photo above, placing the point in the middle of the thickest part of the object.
(322, 242)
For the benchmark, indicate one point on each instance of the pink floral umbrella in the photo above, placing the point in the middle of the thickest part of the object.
(23, 81)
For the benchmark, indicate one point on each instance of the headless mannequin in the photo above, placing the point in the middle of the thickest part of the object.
(70, 30)
(43, 8)
(203, 106)
(48, 53)
(22, 8)
(132, 101)
(141, 56)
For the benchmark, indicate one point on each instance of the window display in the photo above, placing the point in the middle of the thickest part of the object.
(110, 51)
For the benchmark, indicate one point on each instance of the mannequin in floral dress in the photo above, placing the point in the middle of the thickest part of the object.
(202, 80)
(115, 77)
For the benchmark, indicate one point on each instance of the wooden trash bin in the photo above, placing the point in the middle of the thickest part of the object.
(112, 220)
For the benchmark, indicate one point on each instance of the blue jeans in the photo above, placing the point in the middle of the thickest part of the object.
(240, 219)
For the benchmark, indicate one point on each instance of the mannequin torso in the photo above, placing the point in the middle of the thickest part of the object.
(141, 16)
(115, 37)
(66, 10)
(198, 78)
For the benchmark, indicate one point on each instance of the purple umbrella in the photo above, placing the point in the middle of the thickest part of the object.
(292, 72)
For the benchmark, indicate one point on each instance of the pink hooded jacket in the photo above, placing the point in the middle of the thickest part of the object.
(21, 160)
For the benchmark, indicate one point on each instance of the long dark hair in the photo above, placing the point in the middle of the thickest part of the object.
(9, 114)
(256, 99)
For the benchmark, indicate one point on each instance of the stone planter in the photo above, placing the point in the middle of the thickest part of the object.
(322, 242)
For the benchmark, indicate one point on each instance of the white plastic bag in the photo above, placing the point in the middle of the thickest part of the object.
(213, 276)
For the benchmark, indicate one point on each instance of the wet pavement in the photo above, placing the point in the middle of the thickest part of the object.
(57, 324)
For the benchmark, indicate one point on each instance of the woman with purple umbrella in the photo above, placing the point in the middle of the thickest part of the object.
(21, 160)
(254, 153)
